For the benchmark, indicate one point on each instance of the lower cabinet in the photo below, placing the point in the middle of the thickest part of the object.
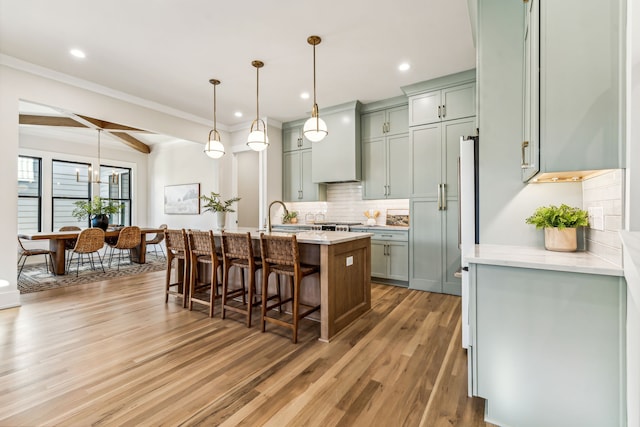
(548, 347)
(389, 254)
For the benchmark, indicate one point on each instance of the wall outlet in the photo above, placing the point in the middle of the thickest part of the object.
(596, 218)
(349, 261)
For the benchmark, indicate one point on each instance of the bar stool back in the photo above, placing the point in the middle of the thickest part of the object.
(281, 255)
(202, 250)
(237, 251)
(176, 242)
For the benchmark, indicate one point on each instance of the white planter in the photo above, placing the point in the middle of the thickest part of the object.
(220, 219)
(564, 240)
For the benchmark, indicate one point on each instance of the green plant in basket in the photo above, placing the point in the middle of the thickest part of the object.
(290, 217)
(214, 203)
(97, 206)
(558, 217)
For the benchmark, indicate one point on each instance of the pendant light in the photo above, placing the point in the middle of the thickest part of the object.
(94, 178)
(214, 148)
(315, 129)
(258, 139)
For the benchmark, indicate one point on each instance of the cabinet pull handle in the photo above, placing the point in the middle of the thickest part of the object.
(439, 112)
(388, 190)
(444, 111)
(299, 194)
(439, 197)
(524, 165)
(299, 142)
(444, 197)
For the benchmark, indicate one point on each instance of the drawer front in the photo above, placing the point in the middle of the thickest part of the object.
(394, 235)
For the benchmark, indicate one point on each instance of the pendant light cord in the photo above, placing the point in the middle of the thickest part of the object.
(314, 76)
(257, 93)
(214, 108)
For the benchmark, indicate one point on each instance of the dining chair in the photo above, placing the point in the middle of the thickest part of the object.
(128, 238)
(177, 249)
(202, 250)
(237, 251)
(26, 253)
(281, 256)
(89, 242)
(157, 240)
(69, 244)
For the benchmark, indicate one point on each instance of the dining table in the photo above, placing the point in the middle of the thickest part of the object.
(57, 240)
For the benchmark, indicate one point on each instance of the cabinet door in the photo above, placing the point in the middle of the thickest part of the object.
(291, 176)
(378, 259)
(398, 159)
(308, 189)
(452, 131)
(425, 252)
(426, 163)
(292, 139)
(530, 144)
(374, 169)
(372, 125)
(459, 102)
(451, 261)
(398, 254)
(397, 120)
(425, 108)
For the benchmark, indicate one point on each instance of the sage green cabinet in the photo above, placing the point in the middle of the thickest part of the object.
(548, 347)
(389, 254)
(446, 104)
(297, 184)
(385, 154)
(581, 86)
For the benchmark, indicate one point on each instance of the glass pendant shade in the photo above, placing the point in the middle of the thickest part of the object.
(214, 148)
(258, 139)
(315, 129)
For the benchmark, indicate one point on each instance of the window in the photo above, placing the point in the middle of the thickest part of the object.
(115, 184)
(29, 194)
(70, 184)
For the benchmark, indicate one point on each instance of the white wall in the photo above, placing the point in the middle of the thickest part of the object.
(505, 201)
(18, 84)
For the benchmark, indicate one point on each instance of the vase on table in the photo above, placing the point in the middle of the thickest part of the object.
(220, 219)
(100, 221)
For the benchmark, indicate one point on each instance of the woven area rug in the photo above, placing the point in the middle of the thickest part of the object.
(35, 278)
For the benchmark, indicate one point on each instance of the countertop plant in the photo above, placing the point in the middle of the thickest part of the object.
(559, 217)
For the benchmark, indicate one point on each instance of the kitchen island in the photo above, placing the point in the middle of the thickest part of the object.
(344, 259)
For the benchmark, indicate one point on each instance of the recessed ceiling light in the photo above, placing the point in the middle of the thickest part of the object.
(78, 53)
(404, 66)
(304, 95)
(238, 114)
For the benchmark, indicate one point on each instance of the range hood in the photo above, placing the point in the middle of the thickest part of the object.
(337, 157)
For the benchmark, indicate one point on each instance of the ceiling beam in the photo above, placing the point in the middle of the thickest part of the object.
(131, 142)
(30, 119)
(103, 124)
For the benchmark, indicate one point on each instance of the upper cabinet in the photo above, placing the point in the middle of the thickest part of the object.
(385, 152)
(297, 185)
(439, 105)
(337, 157)
(579, 89)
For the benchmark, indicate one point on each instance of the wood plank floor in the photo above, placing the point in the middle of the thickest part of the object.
(113, 353)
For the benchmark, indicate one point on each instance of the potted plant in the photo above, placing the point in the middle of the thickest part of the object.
(290, 217)
(560, 224)
(219, 207)
(97, 210)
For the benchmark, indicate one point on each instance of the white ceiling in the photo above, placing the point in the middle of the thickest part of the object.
(165, 51)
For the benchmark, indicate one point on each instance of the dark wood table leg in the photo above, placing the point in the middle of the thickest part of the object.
(139, 253)
(57, 246)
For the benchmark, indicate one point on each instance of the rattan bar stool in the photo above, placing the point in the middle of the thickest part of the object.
(177, 249)
(237, 251)
(281, 255)
(128, 238)
(202, 250)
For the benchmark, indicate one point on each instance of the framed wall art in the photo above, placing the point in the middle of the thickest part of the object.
(182, 199)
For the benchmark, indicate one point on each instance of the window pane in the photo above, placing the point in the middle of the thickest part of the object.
(28, 176)
(62, 209)
(122, 218)
(116, 185)
(28, 215)
(65, 182)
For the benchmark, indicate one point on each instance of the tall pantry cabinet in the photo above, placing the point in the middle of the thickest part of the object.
(437, 120)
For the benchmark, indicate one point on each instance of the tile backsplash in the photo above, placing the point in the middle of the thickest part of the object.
(605, 191)
(344, 203)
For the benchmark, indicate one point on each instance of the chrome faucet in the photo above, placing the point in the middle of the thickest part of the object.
(286, 212)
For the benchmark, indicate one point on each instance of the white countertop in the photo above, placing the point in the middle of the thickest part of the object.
(538, 258)
(313, 237)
